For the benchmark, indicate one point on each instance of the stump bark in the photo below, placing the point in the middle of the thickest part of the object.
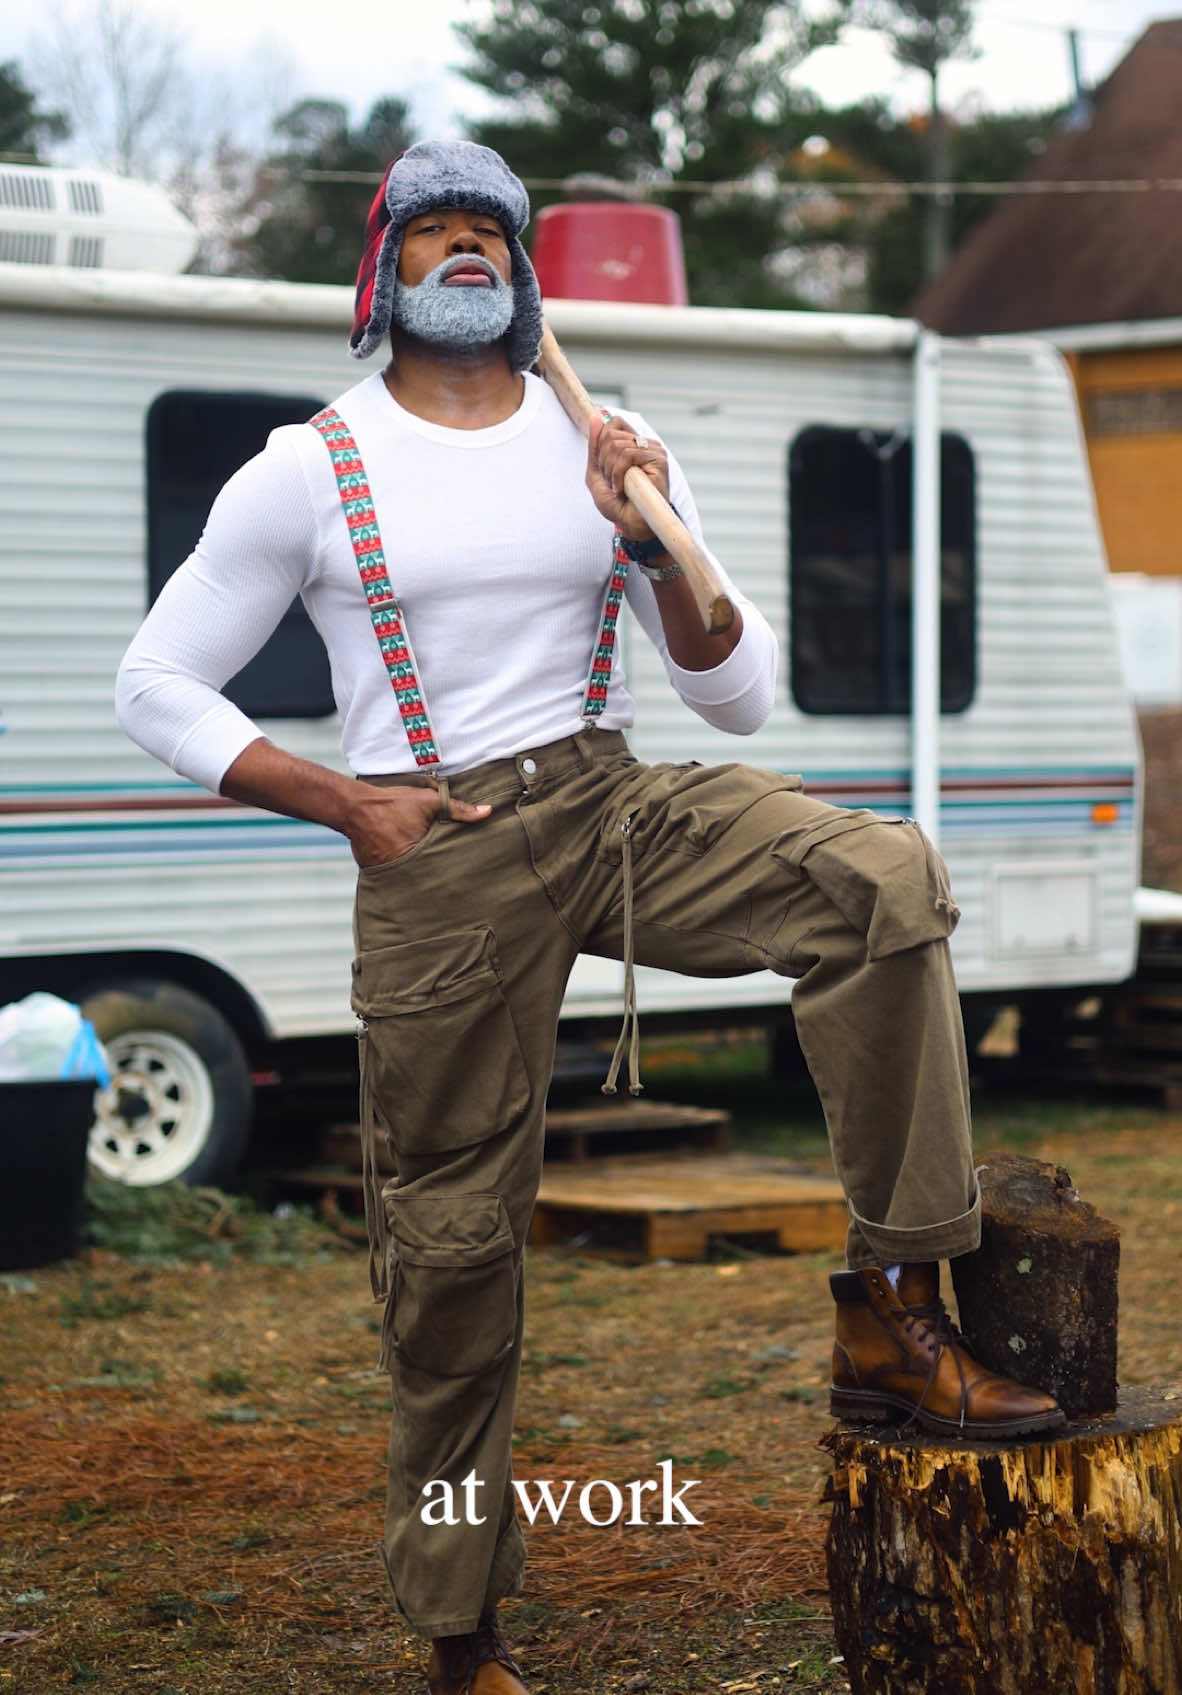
(1038, 1300)
(1050, 1564)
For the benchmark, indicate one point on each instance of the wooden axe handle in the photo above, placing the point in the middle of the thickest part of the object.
(712, 601)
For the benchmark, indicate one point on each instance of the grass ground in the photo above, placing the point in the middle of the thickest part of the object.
(190, 1495)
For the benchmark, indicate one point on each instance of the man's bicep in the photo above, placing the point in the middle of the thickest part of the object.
(257, 551)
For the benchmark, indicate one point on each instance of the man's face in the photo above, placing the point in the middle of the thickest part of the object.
(453, 287)
(451, 233)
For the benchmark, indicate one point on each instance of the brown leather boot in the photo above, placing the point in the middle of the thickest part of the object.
(900, 1356)
(479, 1664)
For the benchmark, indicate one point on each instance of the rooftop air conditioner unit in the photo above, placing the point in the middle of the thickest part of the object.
(91, 220)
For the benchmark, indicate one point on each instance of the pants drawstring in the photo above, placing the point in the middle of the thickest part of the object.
(938, 873)
(630, 1028)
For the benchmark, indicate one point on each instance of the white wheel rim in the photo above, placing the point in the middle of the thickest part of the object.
(155, 1116)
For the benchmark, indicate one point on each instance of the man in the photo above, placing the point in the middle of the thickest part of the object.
(501, 827)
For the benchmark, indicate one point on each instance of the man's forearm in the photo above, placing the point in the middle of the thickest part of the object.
(690, 644)
(266, 776)
(381, 822)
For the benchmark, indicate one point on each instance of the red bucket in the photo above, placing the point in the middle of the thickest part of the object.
(610, 250)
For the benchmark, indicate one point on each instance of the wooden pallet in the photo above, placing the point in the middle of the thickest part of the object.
(572, 1133)
(611, 1126)
(670, 1208)
(664, 1207)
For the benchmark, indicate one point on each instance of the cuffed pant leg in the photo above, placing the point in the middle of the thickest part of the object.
(884, 1045)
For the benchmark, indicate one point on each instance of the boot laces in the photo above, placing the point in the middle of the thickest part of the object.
(934, 1321)
(490, 1647)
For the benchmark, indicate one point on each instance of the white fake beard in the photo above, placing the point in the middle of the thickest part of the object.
(459, 318)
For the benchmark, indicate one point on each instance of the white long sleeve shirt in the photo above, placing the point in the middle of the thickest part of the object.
(500, 562)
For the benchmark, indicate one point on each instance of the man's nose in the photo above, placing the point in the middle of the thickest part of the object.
(466, 241)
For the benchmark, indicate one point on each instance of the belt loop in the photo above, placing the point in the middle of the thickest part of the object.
(444, 792)
(583, 751)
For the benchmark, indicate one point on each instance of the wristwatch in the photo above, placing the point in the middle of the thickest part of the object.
(640, 552)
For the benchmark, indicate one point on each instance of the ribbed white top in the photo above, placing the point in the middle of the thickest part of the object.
(499, 560)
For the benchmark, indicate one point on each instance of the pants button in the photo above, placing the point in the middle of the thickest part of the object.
(529, 766)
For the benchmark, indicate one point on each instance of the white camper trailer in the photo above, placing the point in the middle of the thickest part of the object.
(203, 934)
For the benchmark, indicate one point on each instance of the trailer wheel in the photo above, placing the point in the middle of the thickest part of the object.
(179, 1101)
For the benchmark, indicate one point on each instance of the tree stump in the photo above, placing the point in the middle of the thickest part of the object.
(1038, 1299)
(1051, 1564)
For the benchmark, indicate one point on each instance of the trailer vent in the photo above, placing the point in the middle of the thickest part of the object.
(86, 251)
(27, 193)
(91, 220)
(85, 196)
(26, 247)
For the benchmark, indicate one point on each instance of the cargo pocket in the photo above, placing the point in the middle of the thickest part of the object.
(453, 1305)
(689, 808)
(883, 876)
(444, 1065)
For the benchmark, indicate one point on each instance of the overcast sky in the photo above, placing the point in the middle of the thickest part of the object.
(297, 47)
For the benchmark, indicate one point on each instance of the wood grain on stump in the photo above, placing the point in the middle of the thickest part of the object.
(1050, 1564)
(1038, 1300)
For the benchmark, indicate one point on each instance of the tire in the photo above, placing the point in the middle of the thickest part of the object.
(179, 1101)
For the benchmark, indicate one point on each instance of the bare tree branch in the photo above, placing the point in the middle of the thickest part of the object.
(120, 74)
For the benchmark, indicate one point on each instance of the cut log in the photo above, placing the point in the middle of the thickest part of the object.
(1046, 1565)
(1038, 1300)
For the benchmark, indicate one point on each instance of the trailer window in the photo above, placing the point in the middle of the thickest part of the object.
(850, 571)
(196, 441)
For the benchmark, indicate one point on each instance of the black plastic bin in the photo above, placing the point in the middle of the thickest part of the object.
(44, 1128)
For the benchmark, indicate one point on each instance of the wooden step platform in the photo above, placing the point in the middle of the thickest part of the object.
(670, 1208)
(613, 1126)
(609, 1126)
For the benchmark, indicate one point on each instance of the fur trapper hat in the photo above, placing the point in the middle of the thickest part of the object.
(427, 177)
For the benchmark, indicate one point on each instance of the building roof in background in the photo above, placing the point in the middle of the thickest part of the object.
(1044, 261)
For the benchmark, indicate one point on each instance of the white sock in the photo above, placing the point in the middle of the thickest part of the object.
(893, 1273)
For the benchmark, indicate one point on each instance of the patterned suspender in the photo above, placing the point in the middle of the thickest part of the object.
(595, 695)
(386, 614)
(384, 611)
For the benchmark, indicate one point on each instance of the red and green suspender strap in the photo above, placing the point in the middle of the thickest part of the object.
(595, 694)
(384, 611)
(386, 614)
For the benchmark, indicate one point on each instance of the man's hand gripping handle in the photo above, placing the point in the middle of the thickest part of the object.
(709, 595)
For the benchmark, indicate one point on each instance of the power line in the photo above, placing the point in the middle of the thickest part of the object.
(1126, 185)
(627, 191)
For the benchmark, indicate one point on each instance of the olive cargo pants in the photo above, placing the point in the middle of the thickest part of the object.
(464, 946)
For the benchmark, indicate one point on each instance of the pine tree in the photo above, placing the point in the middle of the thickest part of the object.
(871, 142)
(23, 128)
(924, 35)
(307, 228)
(653, 93)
